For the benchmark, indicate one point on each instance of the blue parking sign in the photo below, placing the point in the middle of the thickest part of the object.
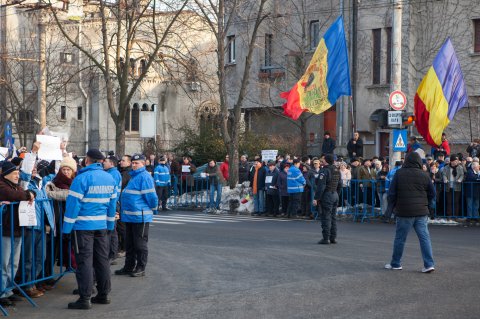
(399, 140)
(8, 140)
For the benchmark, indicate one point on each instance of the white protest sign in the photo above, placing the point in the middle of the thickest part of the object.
(185, 168)
(26, 214)
(3, 153)
(29, 162)
(269, 155)
(50, 148)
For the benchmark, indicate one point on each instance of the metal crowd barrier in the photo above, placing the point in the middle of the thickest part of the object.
(40, 253)
(361, 199)
(364, 202)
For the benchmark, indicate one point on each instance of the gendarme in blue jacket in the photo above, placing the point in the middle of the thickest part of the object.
(295, 180)
(162, 175)
(139, 199)
(117, 177)
(91, 200)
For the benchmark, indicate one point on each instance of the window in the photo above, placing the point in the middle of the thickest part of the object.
(144, 107)
(377, 50)
(65, 5)
(388, 66)
(132, 67)
(143, 66)
(476, 45)
(314, 34)
(135, 126)
(79, 113)
(231, 49)
(63, 112)
(122, 64)
(127, 119)
(25, 121)
(268, 49)
(66, 58)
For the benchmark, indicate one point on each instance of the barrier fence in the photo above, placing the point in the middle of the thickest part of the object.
(32, 255)
(362, 199)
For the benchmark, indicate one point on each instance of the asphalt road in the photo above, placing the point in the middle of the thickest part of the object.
(241, 267)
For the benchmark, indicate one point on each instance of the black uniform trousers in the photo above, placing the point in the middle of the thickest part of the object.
(273, 204)
(136, 246)
(293, 204)
(328, 215)
(113, 237)
(162, 194)
(92, 255)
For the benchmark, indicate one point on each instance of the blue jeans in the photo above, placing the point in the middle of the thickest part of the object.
(33, 253)
(10, 259)
(259, 201)
(473, 204)
(212, 203)
(420, 224)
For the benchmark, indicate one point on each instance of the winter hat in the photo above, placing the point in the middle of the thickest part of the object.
(329, 159)
(95, 154)
(69, 162)
(17, 161)
(7, 168)
(41, 165)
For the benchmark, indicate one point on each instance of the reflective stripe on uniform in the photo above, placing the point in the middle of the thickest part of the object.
(68, 220)
(75, 194)
(96, 200)
(91, 218)
(148, 212)
(110, 219)
(146, 191)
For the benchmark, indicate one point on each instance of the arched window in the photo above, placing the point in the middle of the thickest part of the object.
(135, 118)
(127, 119)
(143, 66)
(132, 67)
(144, 107)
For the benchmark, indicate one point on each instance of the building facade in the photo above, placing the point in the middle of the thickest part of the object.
(290, 35)
(173, 88)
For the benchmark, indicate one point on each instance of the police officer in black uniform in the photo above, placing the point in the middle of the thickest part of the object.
(328, 185)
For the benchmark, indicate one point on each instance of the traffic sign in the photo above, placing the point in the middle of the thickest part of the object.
(395, 117)
(399, 140)
(8, 140)
(397, 100)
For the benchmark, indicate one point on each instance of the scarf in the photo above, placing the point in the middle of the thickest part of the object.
(454, 170)
(255, 190)
(62, 181)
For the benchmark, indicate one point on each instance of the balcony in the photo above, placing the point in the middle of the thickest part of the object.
(271, 73)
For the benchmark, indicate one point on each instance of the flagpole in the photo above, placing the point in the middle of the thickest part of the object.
(470, 120)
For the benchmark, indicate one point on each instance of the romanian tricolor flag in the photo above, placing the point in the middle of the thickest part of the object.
(326, 79)
(440, 95)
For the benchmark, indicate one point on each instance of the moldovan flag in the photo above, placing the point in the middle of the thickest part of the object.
(440, 95)
(326, 79)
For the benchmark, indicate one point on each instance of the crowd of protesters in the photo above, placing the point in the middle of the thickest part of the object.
(284, 187)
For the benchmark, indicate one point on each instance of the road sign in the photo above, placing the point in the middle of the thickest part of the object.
(395, 117)
(8, 140)
(399, 140)
(397, 100)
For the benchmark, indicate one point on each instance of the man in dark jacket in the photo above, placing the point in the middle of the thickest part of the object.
(11, 192)
(243, 169)
(272, 198)
(355, 146)
(472, 190)
(410, 193)
(328, 145)
(329, 185)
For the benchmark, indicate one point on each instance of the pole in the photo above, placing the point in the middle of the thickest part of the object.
(396, 83)
(470, 120)
(42, 91)
(3, 52)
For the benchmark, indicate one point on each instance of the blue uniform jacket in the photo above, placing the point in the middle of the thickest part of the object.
(91, 200)
(139, 199)
(117, 177)
(162, 175)
(295, 180)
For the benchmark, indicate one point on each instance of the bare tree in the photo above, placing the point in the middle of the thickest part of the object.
(129, 32)
(221, 15)
(22, 85)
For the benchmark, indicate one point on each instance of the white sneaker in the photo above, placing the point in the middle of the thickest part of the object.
(428, 270)
(389, 266)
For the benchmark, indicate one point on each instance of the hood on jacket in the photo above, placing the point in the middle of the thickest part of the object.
(413, 160)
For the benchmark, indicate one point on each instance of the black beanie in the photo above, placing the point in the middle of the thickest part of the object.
(7, 168)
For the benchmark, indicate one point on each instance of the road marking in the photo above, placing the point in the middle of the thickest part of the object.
(189, 220)
(165, 222)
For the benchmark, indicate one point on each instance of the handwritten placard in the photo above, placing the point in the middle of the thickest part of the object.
(26, 214)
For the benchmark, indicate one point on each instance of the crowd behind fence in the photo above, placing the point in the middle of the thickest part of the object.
(362, 199)
(36, 255)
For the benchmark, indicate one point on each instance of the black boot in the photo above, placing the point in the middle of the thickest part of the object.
(101, 299)
(333, 241)
(324, 242)
(138, 273)
(123, 271)
(81, 303)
